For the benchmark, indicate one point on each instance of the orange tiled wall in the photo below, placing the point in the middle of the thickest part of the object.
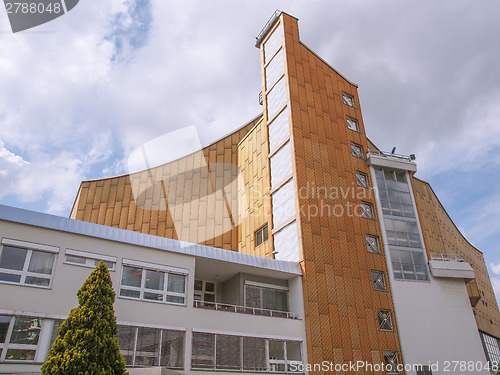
(340, 301)
(111, 201)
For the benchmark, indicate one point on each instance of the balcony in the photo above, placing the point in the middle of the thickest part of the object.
(450, 266)
(391, 160)
(243, 309)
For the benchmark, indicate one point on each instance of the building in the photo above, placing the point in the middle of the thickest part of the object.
(375, 269)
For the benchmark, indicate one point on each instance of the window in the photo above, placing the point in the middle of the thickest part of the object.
(90, 260)
(267, 297)
(204, 291)
(391, 362)
(228, 352)
(378, 281)
(409, 265)
(352, 124)
(25, 266)
(203, 354)
(19, 338)
(492, 347)
(361, 179)
(261, 236)
(153, 283)
(367, 210)
(372, 244)
(147, 347)
(357, 150)
(283, 355)
(384, 320)
(348, 99)
(254, 354)
(424, 370)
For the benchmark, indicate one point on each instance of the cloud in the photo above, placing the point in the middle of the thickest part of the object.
(132, 71)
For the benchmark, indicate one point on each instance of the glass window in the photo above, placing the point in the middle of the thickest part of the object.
(254, 354)
(261, 236)
(228, 356)
(4, 327)
(41, 262)
(281, 165)
(361, 179)
(348, 99)
(357, 150)
(147, 347)
(88, 260)
(384, 320)
(391, 362)
(26, 331)
(204, 292)
(352, 124)
(266, 298)
(140, 346)
(367, 210)
(203, 354)
(13, 258)
(378, 280)
(153, 285)
(372, 244)
(277, 361)
(25, 266)
(172, 349)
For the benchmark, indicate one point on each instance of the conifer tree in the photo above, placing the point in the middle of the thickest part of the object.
(87, 342)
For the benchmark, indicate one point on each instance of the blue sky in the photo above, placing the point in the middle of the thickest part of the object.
(77, 95)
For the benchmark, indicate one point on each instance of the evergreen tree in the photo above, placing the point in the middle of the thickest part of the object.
(86, 343)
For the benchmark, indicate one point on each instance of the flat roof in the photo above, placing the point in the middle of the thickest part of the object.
(42, 220)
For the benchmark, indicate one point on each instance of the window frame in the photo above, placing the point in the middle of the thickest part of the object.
(355, 146)
(369, 245)
(269, 362)
(264, 232)
(133, 352)
(348, 97)
(381, 276)
(7, 345)
(385, 320)
(365, 176)
(89, 259)
(165, 293)
(364, 207)
(394, 355)
(25, 273)
(352, 123)
(203, 292)
(261, 287)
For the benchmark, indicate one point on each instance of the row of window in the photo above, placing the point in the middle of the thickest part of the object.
(32, 267)
(239, 353)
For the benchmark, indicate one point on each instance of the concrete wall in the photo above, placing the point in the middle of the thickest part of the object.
(436, 324)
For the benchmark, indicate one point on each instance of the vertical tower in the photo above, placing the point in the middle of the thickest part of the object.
(323, 209)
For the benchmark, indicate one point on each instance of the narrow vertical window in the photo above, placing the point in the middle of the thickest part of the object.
(361, 179)
(372, 244)
(384, 320)
(356, 150)
(261, 236)
(352, 124)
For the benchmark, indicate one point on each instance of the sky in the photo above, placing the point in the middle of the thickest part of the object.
(79, 94)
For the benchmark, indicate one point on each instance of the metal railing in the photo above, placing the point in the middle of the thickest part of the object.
(243, 309)
(267, 27)
(447, 257)
(410, 158)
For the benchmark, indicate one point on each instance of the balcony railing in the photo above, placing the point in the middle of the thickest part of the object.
(447, 257)
(243, 309)
(410, 158)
